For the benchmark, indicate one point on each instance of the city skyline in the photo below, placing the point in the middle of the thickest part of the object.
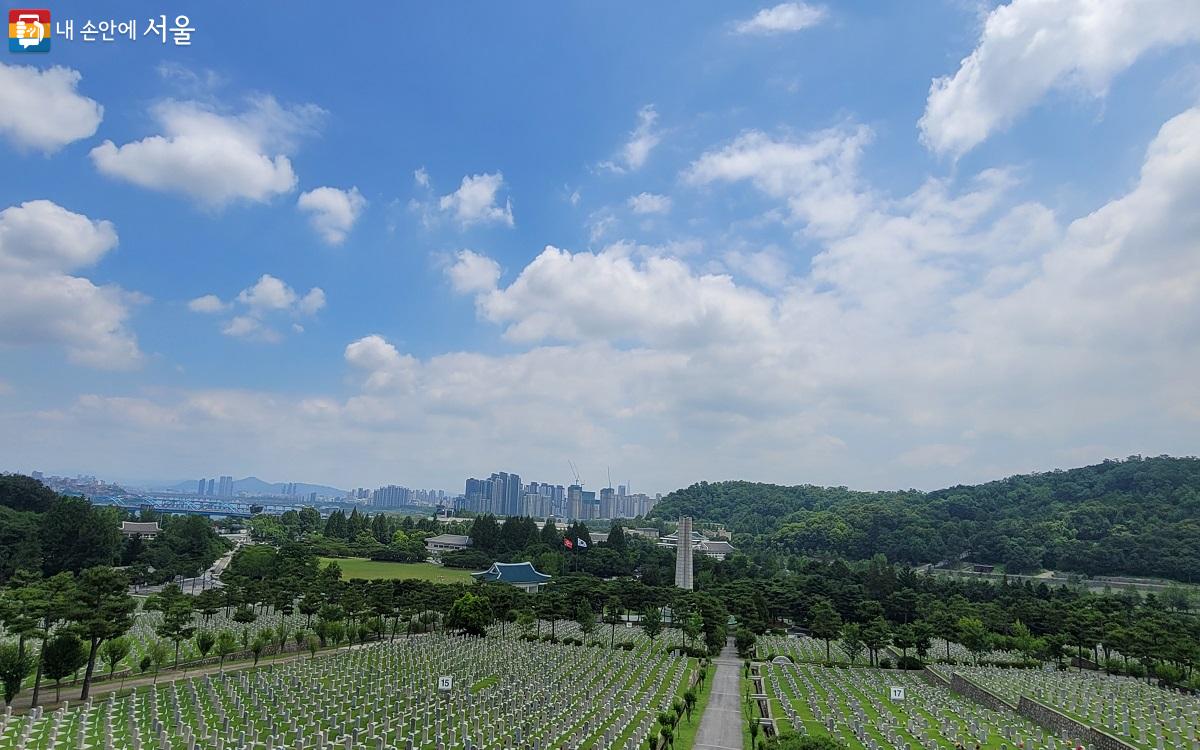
(843, 244)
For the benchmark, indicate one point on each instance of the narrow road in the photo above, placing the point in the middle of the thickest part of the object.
(721, 726)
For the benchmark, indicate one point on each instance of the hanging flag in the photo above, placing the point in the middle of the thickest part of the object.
(567, 543)
(582, 544)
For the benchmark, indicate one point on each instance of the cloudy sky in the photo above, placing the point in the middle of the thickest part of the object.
(863, 244)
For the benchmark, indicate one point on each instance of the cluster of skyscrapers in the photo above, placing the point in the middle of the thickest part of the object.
(395, 496)
(222, 487)
(503, 494)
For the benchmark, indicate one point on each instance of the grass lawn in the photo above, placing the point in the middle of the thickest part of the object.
(361, 567)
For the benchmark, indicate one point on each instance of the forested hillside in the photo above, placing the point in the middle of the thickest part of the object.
(1140, 516)
(43, 532)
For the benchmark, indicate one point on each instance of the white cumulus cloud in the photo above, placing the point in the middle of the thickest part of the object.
(42, 110)
(42, 304)
(783, 18)
(607, 296)
(332, 212)
(259, 307)
(476, 201)
(1029, 47)
(208, 303)
(472, 272)
(817, 176)
(212, 157)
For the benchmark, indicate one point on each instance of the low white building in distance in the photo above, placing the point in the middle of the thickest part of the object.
(447, 543)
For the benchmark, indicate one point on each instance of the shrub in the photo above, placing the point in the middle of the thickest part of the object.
(909, 662)
(885, 663)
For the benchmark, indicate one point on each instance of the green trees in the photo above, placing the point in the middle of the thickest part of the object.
(974, 636)
(612, 616)
(63, 655)
(470, 614)
(652, 623)
(33, 606)
(15, 666)
(282, 632)
(102, 609)
(226, 644)
(244, 616)
(744, 642)
(693, 624)
(114, 651)
(262, 639)
(485, 534)
(585, 617)
(158, 653)
(205, 641)
(825, 624)
(1131, 517)
(1083, 627)
(186, 546)
(852, 641)
(22, 493)
(176, 608)
(76, 535)
(876, 636)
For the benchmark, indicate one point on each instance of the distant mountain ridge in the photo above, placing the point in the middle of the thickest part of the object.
(256, 486)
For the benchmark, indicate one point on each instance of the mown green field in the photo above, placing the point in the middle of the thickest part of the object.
(361, 567)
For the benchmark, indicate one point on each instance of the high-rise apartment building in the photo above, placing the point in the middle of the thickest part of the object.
(391, 496)
(575, 502)
(608, 506)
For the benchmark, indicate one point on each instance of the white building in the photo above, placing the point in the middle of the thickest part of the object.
(447, 543)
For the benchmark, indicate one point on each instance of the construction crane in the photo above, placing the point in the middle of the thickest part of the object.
(575, 472)
(609, 476)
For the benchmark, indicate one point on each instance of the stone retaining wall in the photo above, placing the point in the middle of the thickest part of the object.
(980, 695)
(1038, 713)
(1082, 663)
(1043, 715)
(935, 679)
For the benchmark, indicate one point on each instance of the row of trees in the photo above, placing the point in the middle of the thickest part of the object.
(380, 536)
(61, 623)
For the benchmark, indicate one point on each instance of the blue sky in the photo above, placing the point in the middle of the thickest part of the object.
(775, 252)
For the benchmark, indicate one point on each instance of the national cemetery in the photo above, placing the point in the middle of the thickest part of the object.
(558, 641)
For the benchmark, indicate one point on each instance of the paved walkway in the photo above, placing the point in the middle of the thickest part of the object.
(721, 726)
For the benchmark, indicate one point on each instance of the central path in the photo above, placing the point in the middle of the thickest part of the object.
(721, 726)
